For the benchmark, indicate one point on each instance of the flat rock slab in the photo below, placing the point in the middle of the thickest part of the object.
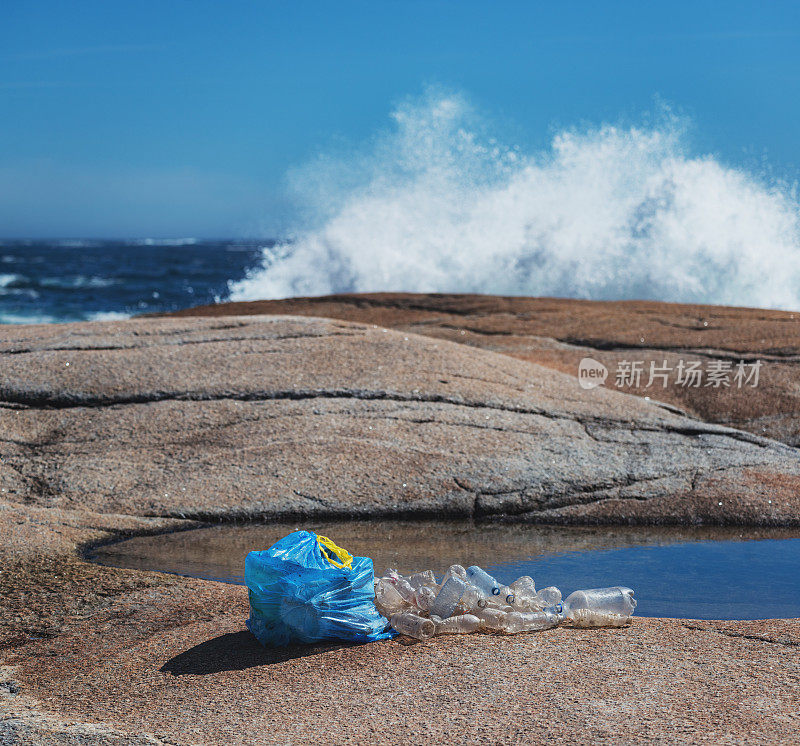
(144, 658)
(256, 416)
(558, 333)
(117, 428)
(209, 681)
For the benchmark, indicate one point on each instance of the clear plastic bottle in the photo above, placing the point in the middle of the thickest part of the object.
(412, 625)
(424, 598)
(507, 594)
(525, 598)
(531, 621)
(481, 579)
(526, 603)
(448, 597)
(388, 598)
(472, 598)
(524, 592)
(600, 607)
(501, 605)
(455, 571)
(523, 586)
(549, 596)
(403, 587)
(425, 578)
(486, 583)
(456, 625)
(492, 618)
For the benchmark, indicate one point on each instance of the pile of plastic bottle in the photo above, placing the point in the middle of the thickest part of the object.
(468, 600)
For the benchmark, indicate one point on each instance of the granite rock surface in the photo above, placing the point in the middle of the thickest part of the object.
(119, 428)
(558, 333)
(253, 416)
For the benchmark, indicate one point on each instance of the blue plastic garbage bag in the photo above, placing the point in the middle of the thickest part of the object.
(305, 589)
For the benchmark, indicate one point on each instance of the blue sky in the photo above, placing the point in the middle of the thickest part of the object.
(181, 118)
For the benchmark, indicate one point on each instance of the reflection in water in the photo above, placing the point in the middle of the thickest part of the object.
(698, 572)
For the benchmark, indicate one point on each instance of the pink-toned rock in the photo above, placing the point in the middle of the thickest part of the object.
(558, 333)
(266, 416)
(134, 427)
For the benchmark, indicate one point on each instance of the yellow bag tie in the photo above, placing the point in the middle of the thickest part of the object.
(327, 547)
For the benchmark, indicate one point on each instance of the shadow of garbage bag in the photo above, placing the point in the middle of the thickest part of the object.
(237, 651)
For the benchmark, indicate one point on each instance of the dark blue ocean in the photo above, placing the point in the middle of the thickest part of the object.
(69, 280)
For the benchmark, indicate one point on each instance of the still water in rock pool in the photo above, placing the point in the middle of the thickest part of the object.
(697, 573)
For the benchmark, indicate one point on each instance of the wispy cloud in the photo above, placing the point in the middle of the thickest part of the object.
(100, 49)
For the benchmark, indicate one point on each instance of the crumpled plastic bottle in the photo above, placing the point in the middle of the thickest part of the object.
(470, 600)
(600, 607)
(496, 603)
(532, 621)
(388, 598)
(457, 595)
(448, 597)
(549, 596)
(486, 583)
(412, 625)
(542, 599)
(457, 571)
(401, 584)
(525, 598)
(462, 624)
(426, 578)
(473, 599)
(424, 598)
(492, 618)
(524, 585)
